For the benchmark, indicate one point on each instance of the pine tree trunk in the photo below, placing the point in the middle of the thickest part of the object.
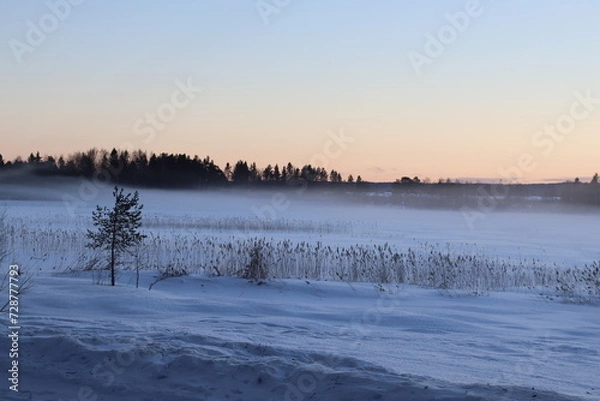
(137, 267)
(112, 266)
(112, 254)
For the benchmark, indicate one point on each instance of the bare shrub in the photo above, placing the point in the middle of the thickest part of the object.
(257, 268)
(23, 281)
(86, 263)
(580, 285)
(169, 272)
(3, 236)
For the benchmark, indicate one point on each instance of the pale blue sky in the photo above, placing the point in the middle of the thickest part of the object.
(272, 92)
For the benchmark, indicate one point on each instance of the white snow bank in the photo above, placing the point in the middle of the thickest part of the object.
(197, 338)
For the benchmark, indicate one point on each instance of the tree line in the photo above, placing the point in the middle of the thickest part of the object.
(167, 170)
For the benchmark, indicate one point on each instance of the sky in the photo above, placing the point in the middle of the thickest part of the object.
(479, 90)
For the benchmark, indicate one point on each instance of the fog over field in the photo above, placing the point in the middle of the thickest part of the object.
(567, 237)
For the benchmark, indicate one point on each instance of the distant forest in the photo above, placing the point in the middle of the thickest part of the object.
(163, 170)
(182, 171)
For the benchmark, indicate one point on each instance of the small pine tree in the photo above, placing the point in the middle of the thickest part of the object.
(117, 228)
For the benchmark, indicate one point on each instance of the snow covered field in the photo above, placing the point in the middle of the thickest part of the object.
(197, 338)
(200, 337)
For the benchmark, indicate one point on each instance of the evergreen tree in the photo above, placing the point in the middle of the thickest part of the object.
(268, 173)
(117, 228)
(241, 173)
(254, 173)
(227, 171)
